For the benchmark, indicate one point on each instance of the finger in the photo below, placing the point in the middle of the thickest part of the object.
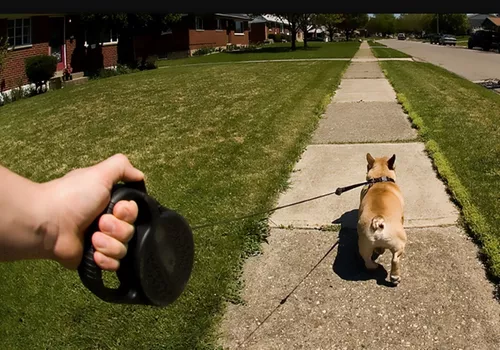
(108, 246)
(118, 168)
(106, 263)
(116, 228)
(126, 211)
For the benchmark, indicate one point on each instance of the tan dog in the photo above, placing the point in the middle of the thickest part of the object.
(381, 217)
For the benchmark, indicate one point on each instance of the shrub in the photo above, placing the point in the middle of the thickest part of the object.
(203, 51)
(149, 63)
(39, 69)
(111, 72)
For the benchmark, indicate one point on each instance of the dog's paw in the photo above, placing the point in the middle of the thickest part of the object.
(395, 280)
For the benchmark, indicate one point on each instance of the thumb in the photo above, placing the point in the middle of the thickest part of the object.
(118, 168)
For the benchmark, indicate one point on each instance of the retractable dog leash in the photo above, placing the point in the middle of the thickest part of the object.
(160, 255)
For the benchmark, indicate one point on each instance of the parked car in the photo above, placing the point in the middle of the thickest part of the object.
(485, 39)
(434, 38)
(401, 36)
(447, 39)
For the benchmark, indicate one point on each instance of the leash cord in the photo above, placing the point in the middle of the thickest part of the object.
(260, 213)
(338, 192)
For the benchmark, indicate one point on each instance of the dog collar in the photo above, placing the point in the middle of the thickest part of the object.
(370, 182)
(381, 179)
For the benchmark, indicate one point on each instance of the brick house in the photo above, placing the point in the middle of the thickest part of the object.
(193, 32)
(262, 26)
(63, 36)
(59, 35)
(492, 23)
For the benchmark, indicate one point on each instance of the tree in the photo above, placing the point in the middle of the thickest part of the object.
(382, 23)
(352, 21)
(450, 23)
(330, 21)
(414, 22)
(294, 22)
(126, 26)
(306, 21)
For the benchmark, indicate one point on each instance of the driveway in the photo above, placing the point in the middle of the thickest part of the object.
(470, 64)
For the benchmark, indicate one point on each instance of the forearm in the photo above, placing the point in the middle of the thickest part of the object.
(23, 231)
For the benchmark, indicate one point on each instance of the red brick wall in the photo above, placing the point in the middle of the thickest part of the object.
(110, 55)
(207, 38)
(258, 33)
(13, 72)
(238, 39)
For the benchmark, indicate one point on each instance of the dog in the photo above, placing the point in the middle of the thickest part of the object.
(381, 216)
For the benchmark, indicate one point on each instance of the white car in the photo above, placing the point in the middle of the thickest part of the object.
(401, 36)
(447, 39)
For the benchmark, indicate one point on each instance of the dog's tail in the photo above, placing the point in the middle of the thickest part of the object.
(378, 223)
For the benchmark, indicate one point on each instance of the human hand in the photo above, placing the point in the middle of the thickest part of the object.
(75, 200)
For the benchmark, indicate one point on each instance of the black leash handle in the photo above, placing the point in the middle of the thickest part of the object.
(91, 274)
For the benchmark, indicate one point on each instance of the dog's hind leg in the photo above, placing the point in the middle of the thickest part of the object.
(396, 265)
(366, 251)
(377, 252)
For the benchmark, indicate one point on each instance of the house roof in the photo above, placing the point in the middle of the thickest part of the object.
(320, 29)
(476, 20)
(268, 18)
(494, 20)
(242, 16)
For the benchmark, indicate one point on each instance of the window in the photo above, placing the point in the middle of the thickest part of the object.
(239, 27)
(219, 24)
(199, 23)
(19, 32)
(105, 37)
(108, 36)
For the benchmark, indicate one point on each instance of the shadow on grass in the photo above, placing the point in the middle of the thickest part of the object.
(348, 264)
(279, 49)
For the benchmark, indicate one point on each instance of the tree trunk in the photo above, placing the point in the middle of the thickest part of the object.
(304, 30)
(126, 54)
(347, 35)
(293, 29)
(330, 33)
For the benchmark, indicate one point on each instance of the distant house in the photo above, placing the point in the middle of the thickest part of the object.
(63, 36)
(492, 23)
(318, 34)
(476, 21)
(262, 26)
(49, 34)
(194, 32)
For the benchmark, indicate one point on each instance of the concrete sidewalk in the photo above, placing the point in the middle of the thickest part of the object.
(309, 289)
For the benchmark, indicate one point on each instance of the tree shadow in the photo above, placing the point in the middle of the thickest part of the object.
(348, 264)
(278, 49)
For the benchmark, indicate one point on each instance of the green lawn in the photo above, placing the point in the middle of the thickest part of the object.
(275, 51)
(383, 52)
(461, 124)
(375, 43)
(214, 142)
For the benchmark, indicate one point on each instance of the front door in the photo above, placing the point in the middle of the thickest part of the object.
(56, 41)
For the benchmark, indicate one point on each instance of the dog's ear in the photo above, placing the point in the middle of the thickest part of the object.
(370, 160)
(391, 161)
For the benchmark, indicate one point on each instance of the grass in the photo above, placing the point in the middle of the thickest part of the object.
(460, 123)
(375, 43)
(385, 52)
(275, 51)
(213, 141)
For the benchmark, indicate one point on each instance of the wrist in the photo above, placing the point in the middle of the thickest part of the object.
(25, 232)
(43, 222)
